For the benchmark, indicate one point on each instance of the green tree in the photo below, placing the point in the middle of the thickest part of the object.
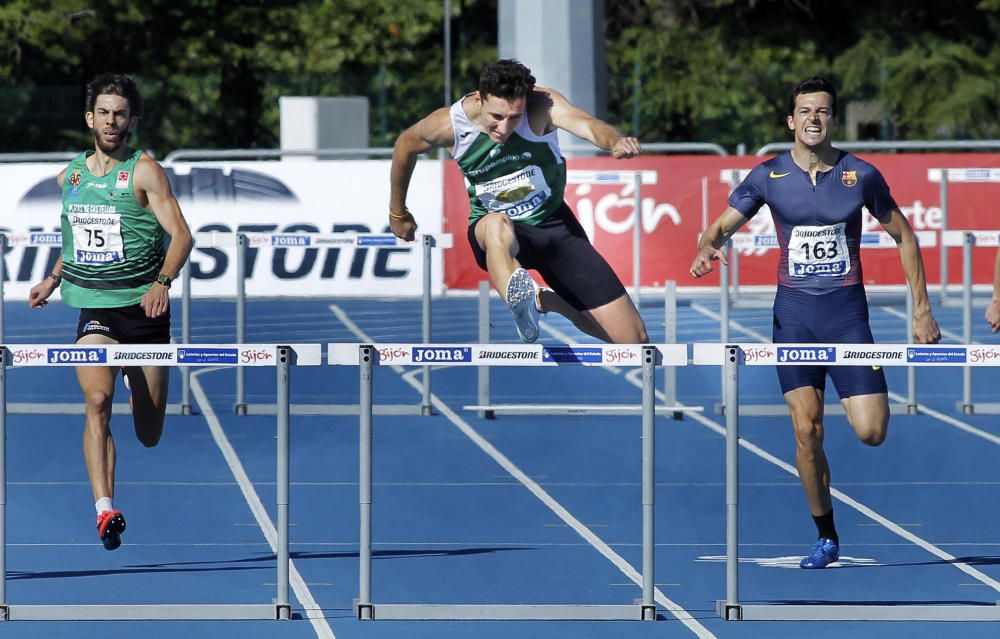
(720, 70)
(710, 70)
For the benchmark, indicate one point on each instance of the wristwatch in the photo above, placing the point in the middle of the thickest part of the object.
(164, 279)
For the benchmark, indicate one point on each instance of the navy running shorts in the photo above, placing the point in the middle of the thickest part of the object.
(558, 248)
(839, 317)
(125, 325)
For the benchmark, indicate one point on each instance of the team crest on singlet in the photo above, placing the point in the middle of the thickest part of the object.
(849, 178)
(74, 178)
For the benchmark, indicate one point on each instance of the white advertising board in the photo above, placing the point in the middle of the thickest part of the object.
(257, 197)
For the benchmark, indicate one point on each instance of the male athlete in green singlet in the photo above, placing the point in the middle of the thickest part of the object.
(116, 207)
(504, 138)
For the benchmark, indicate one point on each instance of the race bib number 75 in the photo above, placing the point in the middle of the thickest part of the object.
(818, 250)
(97, 238)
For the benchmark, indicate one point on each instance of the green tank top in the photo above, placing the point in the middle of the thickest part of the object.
(524, 177)
(112, 247)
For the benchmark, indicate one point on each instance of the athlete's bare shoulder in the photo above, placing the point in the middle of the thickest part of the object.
(436, 129)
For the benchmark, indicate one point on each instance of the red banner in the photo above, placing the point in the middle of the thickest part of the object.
(690, 191)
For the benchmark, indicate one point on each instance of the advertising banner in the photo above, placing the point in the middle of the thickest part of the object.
(680, 196)
(255, 197)
(691, 191)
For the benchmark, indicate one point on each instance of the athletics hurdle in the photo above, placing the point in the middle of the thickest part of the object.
(968, 240)
(357, 240)
(53, 240)
(367, 356)
(945, 177)
(489, 410)
(245, 241)
(731, 357)
(281, 357)
(768, 241)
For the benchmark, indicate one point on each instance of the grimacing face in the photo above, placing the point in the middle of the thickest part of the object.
(500, 117)
(110, 121)
(813, 120)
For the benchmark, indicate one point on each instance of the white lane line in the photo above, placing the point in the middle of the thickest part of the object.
(599, 544)
(841, 496)
(312, 610)
(951, 421)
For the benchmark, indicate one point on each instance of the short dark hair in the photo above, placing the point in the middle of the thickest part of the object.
(815, 84)
(120, 84)
(507, 79)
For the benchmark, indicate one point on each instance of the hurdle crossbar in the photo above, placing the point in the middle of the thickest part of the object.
(314, 240)
(367, 356)
(731, 357)
(280, 357)
(489, 410)
(762, 242)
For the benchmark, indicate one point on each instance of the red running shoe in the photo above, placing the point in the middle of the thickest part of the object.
(110, 526)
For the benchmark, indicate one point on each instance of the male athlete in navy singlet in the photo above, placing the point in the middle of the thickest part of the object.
(816, 194)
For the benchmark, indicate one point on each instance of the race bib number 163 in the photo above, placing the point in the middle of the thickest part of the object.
(818, 250)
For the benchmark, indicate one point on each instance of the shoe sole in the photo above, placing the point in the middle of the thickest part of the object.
(521, 301)
(818, 566)
(111, 538)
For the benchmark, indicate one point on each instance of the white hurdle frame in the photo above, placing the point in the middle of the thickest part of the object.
(731, 357)
(279, 356)
(367, 356)
(969, 240)
(769, 241)
(945, 177)
(489, 410)
(244, 240)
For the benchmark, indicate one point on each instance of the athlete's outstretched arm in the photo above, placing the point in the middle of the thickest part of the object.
(566, 116)
(993, 310)
(714, 238)
(925, 328)
(151, 184)
(434, 131)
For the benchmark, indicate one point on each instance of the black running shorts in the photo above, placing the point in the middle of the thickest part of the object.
(559, 250)
(125, 325)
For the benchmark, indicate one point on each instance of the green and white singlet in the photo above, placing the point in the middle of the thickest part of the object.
(524, 177)
(112, 247)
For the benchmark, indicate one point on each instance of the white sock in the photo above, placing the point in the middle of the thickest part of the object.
(104, 503)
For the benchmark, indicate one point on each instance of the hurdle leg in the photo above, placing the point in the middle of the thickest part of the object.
(363, 606)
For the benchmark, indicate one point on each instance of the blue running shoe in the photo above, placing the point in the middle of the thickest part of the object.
(521, 301)
(824, 552)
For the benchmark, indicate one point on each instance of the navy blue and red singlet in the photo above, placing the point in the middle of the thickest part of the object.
(821, 295)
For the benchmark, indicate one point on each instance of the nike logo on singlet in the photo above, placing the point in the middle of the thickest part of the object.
(778, 175)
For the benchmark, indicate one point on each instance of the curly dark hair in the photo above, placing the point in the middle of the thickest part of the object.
(120, 84)
(815, 84)
(507, 79)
